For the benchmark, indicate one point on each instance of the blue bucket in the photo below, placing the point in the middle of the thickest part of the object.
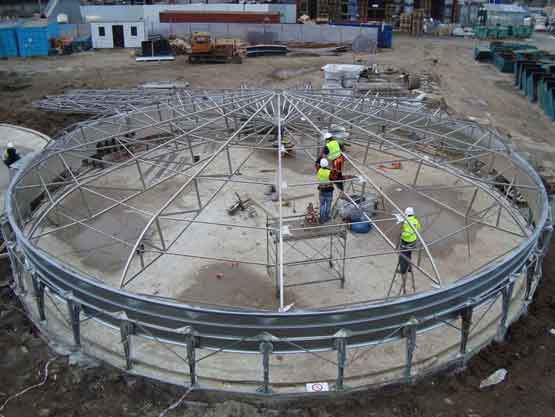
(360, 227)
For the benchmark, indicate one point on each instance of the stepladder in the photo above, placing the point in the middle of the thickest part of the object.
(403, 264)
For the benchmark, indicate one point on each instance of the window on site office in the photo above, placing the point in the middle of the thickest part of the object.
(101, 31)
(133, 30)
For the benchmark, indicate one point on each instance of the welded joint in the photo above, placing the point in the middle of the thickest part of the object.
(514, 276)
(127, 329)
(266, 337)
(409, 332)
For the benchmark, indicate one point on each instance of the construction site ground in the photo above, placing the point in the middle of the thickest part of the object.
(470, 89)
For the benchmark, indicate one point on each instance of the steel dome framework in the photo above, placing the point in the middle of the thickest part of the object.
(200, 141)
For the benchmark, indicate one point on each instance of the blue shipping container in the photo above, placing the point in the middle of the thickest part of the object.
(53, 30)
(386, 33)
(33, 38)
(8, 42)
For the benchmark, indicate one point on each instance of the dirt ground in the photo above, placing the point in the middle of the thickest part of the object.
(471, 89)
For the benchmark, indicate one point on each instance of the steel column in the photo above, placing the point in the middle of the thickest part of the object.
(127, 329)
(466, 323)
(266, 348)
(74, 312)
(409, 332)
(507, 293)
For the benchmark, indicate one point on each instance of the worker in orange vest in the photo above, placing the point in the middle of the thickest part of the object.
(332, 151)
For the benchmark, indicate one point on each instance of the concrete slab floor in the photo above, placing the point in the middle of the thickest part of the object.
(226, 264)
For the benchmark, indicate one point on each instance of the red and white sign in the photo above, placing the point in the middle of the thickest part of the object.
(317, 387)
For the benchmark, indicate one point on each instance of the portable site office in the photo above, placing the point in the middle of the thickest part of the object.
(128, 34)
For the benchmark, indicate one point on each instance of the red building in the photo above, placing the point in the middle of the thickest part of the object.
(218, 17)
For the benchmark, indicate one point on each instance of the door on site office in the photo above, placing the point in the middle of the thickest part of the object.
(119, 39)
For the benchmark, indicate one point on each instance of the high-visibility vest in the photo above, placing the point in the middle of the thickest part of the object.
(324, 175)
(407, 233)
(334, 150)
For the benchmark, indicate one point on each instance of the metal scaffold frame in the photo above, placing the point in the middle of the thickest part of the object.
(196, 138)
(334, 253)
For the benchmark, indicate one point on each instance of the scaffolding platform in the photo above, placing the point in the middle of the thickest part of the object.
(295, 232)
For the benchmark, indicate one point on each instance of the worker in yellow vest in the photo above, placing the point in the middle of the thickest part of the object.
(332, 151)
(325, 188)
(285, 141)
(408, 241)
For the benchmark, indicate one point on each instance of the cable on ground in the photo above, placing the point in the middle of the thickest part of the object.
(40, 384)
(176, 404)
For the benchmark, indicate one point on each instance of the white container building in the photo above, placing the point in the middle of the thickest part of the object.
(118, 34)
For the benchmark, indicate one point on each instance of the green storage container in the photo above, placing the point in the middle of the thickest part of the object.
(482, 54)
(546, 97)
(502, 32)
(481, 32)
(504, 61)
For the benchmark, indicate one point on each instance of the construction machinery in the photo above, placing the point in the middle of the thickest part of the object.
(207, 50)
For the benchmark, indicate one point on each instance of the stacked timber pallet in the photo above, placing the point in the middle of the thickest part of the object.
(417, 24)
(389, 12)
(426, 5)
(405, 23)
(362, 7)
(412, 23)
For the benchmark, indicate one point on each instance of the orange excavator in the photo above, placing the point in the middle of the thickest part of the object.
(207, 50)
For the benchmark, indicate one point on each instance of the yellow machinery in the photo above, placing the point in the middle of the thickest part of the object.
(205, 49)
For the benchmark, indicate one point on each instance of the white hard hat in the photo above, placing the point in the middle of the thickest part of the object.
(10, 145)
(327, 135)
(324, 163)
(409, 211)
